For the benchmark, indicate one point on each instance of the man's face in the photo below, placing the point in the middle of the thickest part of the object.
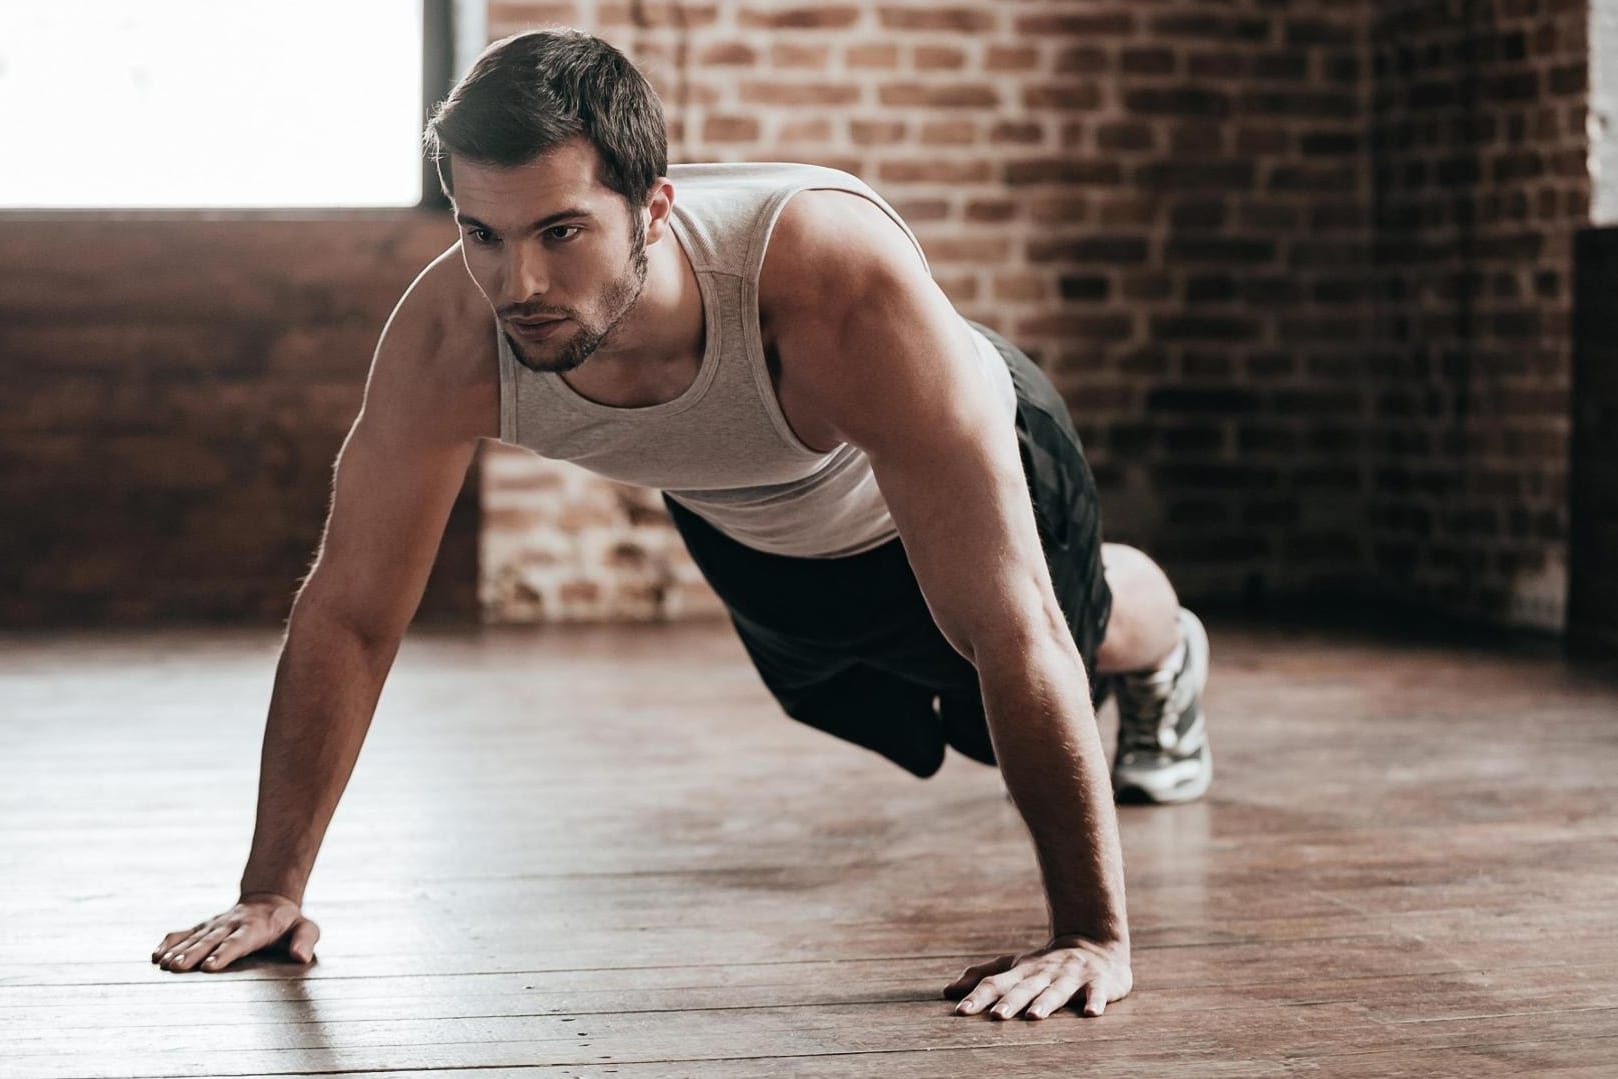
(559, 256)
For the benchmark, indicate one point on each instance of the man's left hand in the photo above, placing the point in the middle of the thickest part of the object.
(1043, 980)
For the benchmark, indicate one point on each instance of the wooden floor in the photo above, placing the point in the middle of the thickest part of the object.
(603, 851)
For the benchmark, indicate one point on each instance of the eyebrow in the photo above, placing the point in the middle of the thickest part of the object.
(543, 223)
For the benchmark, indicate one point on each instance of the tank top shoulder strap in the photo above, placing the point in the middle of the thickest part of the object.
(729, 210)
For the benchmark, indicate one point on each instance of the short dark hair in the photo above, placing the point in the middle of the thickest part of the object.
(531, 92)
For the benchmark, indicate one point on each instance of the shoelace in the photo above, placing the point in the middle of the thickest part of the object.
(1142, 699)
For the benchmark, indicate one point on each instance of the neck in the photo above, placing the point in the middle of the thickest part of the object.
(654, 353)
(666, 322)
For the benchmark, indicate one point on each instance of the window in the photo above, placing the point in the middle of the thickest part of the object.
(196, 103)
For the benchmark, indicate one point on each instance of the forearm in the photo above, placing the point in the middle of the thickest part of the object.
(326, 687)
(1043, 728)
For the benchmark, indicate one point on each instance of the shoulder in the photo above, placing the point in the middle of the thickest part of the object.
(854, 318)
(828, 248)
(438, 355)
(446, 320)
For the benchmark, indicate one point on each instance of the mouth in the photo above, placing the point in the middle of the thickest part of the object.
(534, 329)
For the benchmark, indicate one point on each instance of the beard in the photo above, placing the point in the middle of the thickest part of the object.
(617, 299)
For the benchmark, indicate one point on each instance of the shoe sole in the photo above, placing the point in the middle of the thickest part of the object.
(1186, 791)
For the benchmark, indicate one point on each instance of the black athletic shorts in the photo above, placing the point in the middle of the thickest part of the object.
(848, 645)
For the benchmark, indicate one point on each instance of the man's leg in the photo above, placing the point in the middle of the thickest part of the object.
(1156, 653)
(1145, 623)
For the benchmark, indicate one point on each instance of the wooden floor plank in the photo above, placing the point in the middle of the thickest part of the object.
(602, 850)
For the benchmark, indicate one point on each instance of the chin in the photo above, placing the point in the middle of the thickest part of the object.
(561, 362)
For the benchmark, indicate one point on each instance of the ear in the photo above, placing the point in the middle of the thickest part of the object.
(660, 208)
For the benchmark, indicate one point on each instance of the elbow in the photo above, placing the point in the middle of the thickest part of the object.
(329, 623)
(996, 642)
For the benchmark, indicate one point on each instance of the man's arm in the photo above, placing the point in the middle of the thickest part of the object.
(431, 394)
(880, 356)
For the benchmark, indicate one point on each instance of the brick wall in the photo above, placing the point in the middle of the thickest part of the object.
(1302, 271)
(173, 392)
(1165, 204)
(1479, 155)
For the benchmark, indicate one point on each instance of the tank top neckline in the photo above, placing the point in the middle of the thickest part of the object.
(707, 367)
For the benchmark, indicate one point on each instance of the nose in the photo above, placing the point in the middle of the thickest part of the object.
(526, 276)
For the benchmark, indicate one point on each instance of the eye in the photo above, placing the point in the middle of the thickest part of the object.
(571, 230)
(480, 236)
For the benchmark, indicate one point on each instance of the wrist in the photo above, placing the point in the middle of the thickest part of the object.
(1114, 945)
(270, 885)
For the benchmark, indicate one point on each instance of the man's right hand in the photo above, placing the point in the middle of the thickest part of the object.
(260, 920)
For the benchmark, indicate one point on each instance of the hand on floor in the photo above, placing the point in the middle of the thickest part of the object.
(1066, 969)
(260, 920)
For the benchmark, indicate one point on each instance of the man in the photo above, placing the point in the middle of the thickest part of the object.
(890, 500)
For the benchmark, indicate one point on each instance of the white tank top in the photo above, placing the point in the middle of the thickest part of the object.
(723, 448)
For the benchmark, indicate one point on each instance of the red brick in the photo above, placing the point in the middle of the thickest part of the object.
(526, 15)
(960, 288)
(815, 130)
(949, 133)
(884, 56)
(1096, 248)
(1018, 58)
(1063, 171)
(1205, 328)
(1256, 141)
(730, 129)
(728, 53)
(1146, 285)
(936, 170)
(797, 55)
(1128, 209)
(975, 19)
(965, 95)
(798, 93)
(876, 132)
(1083, 60)
(991, 210)
(1188, 100)
(1115, 23)
(1206, 25)
(969, 249)
(1125, 136)
(1196, 140)
(1062, 208)
(1230, 65)
(1021, 286)
(649, 14)
(939, 58)
(1082, 95)
(1091, 327)
(1084, 287)
(827, 17)
(919, 210)
(1147, 61)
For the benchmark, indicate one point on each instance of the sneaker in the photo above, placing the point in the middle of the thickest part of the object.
(1162, 736)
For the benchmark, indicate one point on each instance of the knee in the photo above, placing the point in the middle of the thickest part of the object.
(1129, 568)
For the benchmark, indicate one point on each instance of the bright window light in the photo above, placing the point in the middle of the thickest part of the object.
(197, 103)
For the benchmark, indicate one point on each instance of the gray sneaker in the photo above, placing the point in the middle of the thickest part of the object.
(1162, 736)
